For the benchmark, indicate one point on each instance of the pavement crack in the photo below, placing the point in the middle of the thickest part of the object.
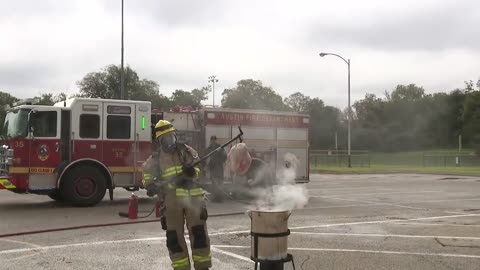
(439, 242)
(396, 218)
(457, 246)
(471, 210)
(304, 261)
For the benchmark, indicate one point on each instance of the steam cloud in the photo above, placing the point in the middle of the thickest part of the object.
(285, 195)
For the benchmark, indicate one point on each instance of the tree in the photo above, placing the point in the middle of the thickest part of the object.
(369, 111)
(50, 99)
(193, 98)
(250, 94)
(106, 84)
(298, 102)
(409, 92)
(325, 121)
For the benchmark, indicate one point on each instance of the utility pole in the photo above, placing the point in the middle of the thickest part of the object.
(213, 79)
(122, 72)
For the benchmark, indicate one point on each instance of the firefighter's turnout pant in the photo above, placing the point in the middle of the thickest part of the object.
(187, 205)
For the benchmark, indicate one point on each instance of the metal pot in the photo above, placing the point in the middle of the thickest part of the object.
(269, 231)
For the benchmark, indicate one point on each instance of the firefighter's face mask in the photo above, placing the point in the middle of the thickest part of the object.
(168, 142)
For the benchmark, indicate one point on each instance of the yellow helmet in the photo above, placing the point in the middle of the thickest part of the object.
(163, 127)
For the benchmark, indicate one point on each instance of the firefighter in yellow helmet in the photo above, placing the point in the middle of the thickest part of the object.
(171, 176)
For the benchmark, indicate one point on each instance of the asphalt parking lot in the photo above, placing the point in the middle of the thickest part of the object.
(398, 221)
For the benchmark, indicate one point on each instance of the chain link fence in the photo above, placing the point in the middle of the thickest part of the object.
(363, 158)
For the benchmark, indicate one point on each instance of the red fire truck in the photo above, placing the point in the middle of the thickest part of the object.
(78, 149)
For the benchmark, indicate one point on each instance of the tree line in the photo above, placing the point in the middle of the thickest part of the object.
(405, 118)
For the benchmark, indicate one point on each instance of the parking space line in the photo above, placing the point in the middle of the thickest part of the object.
(19, 242)
(41, 248)
(215, 248)
(347, 188)
(390, 252)
(380, 221)
(386, 193)
(337, 206)
(364, 201)
(372, 251)
(388, 235)
(440, 224)
(384, 203)
(455, 200)
(356, 223)
(16, 258)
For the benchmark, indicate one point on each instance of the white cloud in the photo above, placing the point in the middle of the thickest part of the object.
(180, 43)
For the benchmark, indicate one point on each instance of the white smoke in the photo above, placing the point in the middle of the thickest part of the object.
(286, 194)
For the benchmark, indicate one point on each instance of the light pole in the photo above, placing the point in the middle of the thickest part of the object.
(349, 114)
(122, 73)
(213, 79)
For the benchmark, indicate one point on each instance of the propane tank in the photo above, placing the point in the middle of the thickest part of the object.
(133, 207)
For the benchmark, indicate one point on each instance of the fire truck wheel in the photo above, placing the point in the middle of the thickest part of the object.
(56, 196)
(84, 186)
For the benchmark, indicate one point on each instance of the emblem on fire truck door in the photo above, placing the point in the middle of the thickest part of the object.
(43, 152)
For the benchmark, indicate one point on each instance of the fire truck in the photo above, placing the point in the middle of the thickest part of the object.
(79, 148)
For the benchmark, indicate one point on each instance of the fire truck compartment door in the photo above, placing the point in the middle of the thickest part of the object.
(45, 147)
(119, 141)
(143, 139)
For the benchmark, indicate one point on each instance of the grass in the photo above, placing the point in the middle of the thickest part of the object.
(438, 161)
(470, 171)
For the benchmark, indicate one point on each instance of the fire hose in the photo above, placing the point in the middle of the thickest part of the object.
(103, 225)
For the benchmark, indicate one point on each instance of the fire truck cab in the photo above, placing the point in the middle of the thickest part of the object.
(75, 150)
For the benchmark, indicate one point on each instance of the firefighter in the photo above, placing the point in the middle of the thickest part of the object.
(171, 176)
(215, 167)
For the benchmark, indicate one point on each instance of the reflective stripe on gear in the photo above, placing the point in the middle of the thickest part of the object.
(202, 259)
(181, 192)
(181, 263)
(7, 184)
(147, 178)
(175, 170)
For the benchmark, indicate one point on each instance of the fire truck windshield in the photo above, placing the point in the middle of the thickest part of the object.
(15, 124)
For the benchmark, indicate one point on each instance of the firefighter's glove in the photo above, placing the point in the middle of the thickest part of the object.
(152, 189)
(189, 170)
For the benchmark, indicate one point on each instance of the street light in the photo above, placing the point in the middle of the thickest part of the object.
(122, 73)
(213, 79)
(349, 114)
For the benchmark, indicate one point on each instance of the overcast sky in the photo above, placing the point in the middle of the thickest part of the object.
(50, 44)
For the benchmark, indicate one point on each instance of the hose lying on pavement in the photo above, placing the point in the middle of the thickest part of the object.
(123, 214)
(103, 225)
